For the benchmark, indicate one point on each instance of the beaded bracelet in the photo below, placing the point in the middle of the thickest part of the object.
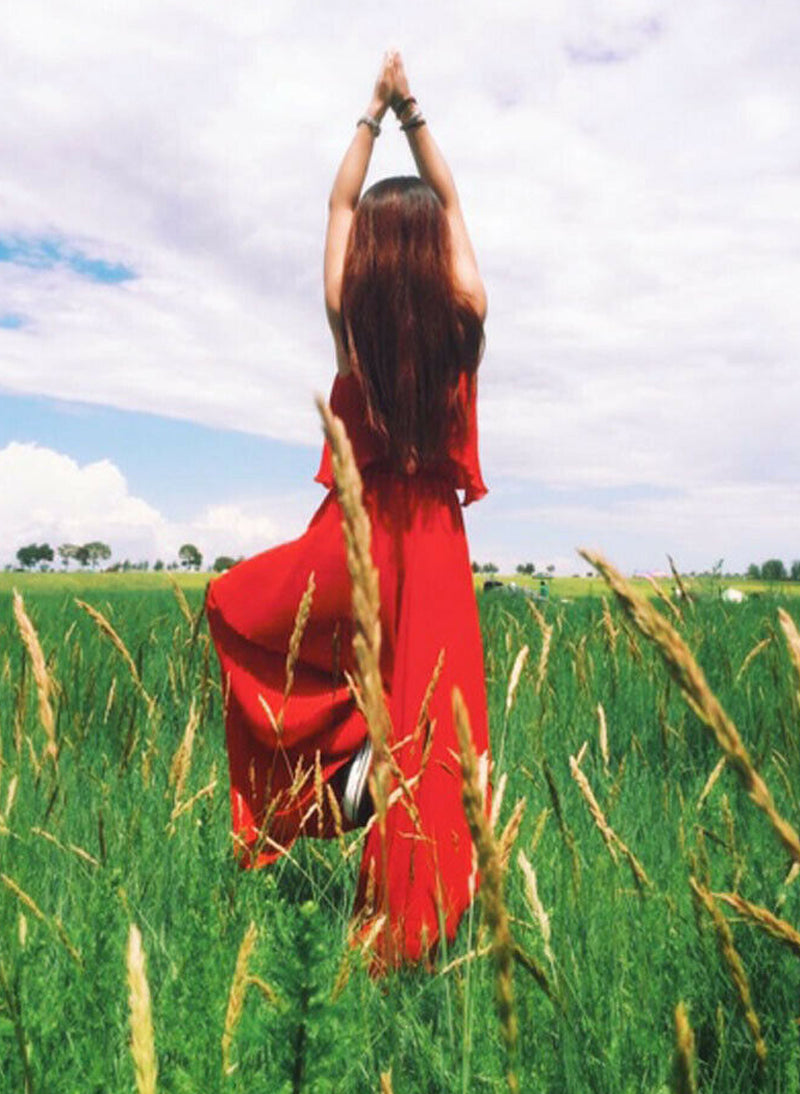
(373, 123)
(414, 122)
(403, 104)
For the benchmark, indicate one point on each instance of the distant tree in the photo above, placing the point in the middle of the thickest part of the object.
(551, 569)
(476, 567)
(95, 552)
(754, 571)
(794, 570)
(34, 554)
(223, 562)
(190, 558)
(490, 568)
(773, 570)
(526, 568)
(82, 555)
(66, 552)
(158, 565)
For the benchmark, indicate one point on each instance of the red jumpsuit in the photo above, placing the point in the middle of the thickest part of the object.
(427, 605)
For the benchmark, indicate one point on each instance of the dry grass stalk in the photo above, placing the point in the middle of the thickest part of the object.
(236, 994)
(497, 797)
(685, 594)
(183, 603)
(318, 793)
(72, 847)
(764, 919)
(44, 685)
(142, 1041)
(105, 628)
(692, 682)
(602, 732)
(366, 601)
(386, 1082)
(610, 629)
(11, 794)
(204, 792)
(711, 781)
(685, 1081)
(734, 964)
(612, 840)
(336, 813)
(663, 597)
(753, 653)
(508, 837)
(181, 761)
(300, 621)
(605, 829)
(792, 640)
(422, 717)
(267, 990)
(23, 897)
(490, 865)
(535, 904)
(547, 635)
(514, 678)
(538, 828)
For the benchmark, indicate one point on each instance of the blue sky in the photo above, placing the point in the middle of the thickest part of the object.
(628, 172)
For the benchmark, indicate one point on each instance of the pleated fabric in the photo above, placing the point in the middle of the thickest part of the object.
(278, 749)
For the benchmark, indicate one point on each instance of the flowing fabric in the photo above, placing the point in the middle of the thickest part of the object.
(283, 752)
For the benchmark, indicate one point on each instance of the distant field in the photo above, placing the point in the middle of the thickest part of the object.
(558, 587)
(133, 826)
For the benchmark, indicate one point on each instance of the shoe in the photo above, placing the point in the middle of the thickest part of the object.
(356, 799)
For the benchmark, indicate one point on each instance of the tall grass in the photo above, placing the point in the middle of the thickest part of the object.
(132, 826)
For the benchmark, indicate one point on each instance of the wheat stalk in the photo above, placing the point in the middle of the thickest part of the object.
(300, 621)
(183, 603)
(181, 761)
(142, 1041)
(237, 993)
(792, 640)
(490, 865)
(602, 733)
(734, 964)
(610, 837)
(753, 653)
(44, 685)
(366, 599)
(535, 904)
(684, 1079)
(547, 635)
(694, 686)
(105, 628)
(514, 678)
(764, 919)
(711, 781)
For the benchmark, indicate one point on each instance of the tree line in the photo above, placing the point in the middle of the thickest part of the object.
(774, 570)
(91, 554)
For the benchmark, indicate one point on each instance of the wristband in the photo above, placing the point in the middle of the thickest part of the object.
(373, 123)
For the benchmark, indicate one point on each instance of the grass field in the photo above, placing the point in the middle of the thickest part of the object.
(128, 827)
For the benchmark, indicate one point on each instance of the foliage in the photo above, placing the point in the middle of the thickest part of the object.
(223, 562)
(189, 556)
(34, 554)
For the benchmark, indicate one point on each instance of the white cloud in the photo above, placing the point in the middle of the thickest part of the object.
(48, 497)
(628, 171)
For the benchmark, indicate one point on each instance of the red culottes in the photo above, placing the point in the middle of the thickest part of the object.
(427, 605)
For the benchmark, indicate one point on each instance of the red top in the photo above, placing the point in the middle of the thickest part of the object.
(462, 465)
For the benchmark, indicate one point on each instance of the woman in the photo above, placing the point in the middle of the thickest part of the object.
(406, 306)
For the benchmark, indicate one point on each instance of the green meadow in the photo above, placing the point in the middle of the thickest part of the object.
(124, 820)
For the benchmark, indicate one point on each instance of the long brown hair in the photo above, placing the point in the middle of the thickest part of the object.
(409, 333)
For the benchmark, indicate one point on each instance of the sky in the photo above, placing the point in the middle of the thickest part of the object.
(630, 177)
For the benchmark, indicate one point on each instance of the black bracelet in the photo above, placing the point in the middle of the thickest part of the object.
(399, 107)
(414, 122)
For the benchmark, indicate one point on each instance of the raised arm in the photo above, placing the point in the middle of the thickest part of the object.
(434, 171)
(343, 200)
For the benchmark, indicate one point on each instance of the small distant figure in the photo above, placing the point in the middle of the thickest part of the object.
(543, 590)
